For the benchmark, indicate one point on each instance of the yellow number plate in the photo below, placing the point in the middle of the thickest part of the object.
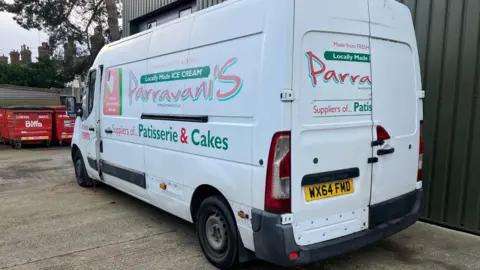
(330, 189)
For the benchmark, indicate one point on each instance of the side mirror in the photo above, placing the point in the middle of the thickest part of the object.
(71, 105)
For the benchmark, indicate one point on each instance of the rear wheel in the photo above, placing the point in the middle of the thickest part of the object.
(80, 171)
(217, 232)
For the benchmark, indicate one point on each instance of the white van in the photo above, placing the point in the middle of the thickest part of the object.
(287, 130)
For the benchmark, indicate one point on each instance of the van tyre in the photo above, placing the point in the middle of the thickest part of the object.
(217, 232)
(81, 172)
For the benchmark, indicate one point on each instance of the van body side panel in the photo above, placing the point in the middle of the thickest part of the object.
(331, 120)
(213, 79)
(271, 115)
(123, 152)
(396, 102)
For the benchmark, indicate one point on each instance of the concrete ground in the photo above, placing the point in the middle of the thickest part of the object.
(48, 222)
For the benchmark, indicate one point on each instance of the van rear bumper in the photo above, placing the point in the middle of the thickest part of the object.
(274, 241)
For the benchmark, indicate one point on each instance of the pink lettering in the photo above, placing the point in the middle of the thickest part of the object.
(354, 78)
(205, 88)
(165, 95)
(134, 88)
(229, 78)
(148, 92)
(365, 79)
(155, 95)
(187, 93)
(343, 77)
(331, 74)
(313, 74)
(176, 96)
(201, 88)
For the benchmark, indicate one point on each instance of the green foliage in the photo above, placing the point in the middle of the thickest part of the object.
(45, 73)
(75, 27)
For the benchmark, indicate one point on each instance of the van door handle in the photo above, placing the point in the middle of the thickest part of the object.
(109, 131)
(91, 128)
(382, 152)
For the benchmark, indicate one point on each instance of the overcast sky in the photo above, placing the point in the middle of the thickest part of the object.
(12, 36)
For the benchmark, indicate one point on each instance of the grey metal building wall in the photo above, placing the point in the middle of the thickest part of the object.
(133, 9)
(448, 39)
(207, 3)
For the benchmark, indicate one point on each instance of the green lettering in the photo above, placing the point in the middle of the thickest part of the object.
(211, 140)
(204, 141)
(175, 136)
(162, 135)
(225, 143)
(149, 132)
(154, 134)
(140, 130)
(356, 105)
(218, 143)
(195, 131)
(168, 135)
(158, 134)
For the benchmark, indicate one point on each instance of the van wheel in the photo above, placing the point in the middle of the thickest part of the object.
(217, 232)
(81, 172)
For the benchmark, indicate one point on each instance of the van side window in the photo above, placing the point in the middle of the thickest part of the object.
(91, 90)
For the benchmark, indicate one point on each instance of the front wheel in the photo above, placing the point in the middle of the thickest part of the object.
(81, 172)
(217, 232)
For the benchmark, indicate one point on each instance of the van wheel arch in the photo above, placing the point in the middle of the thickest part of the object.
(75, 149)
(201, 193)
(205, 191)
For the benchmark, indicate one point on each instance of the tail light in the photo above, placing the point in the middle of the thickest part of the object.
(420, 158)
(278, 184)
(382, 134)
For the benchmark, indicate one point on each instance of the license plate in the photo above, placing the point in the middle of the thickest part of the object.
(327, 190)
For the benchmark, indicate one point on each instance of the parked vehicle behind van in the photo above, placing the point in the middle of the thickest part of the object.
(285, 130)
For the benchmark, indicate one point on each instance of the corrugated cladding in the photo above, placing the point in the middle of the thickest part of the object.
(448, 39)
(136, 8)
(207, 3)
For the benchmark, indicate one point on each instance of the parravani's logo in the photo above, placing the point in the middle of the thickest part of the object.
(139, 90)
(318, 70)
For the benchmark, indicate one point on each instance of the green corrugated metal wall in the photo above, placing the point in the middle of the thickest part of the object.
(448, 39)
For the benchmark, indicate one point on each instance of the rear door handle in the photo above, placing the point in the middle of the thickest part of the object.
(382, 152)
(109, 131)
(91, 128)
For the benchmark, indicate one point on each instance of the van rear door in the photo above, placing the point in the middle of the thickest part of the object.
(331, 120)
(396, 100)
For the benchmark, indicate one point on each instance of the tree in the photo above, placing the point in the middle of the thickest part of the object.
(45, 73)
(112, 11)
(69, 24)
